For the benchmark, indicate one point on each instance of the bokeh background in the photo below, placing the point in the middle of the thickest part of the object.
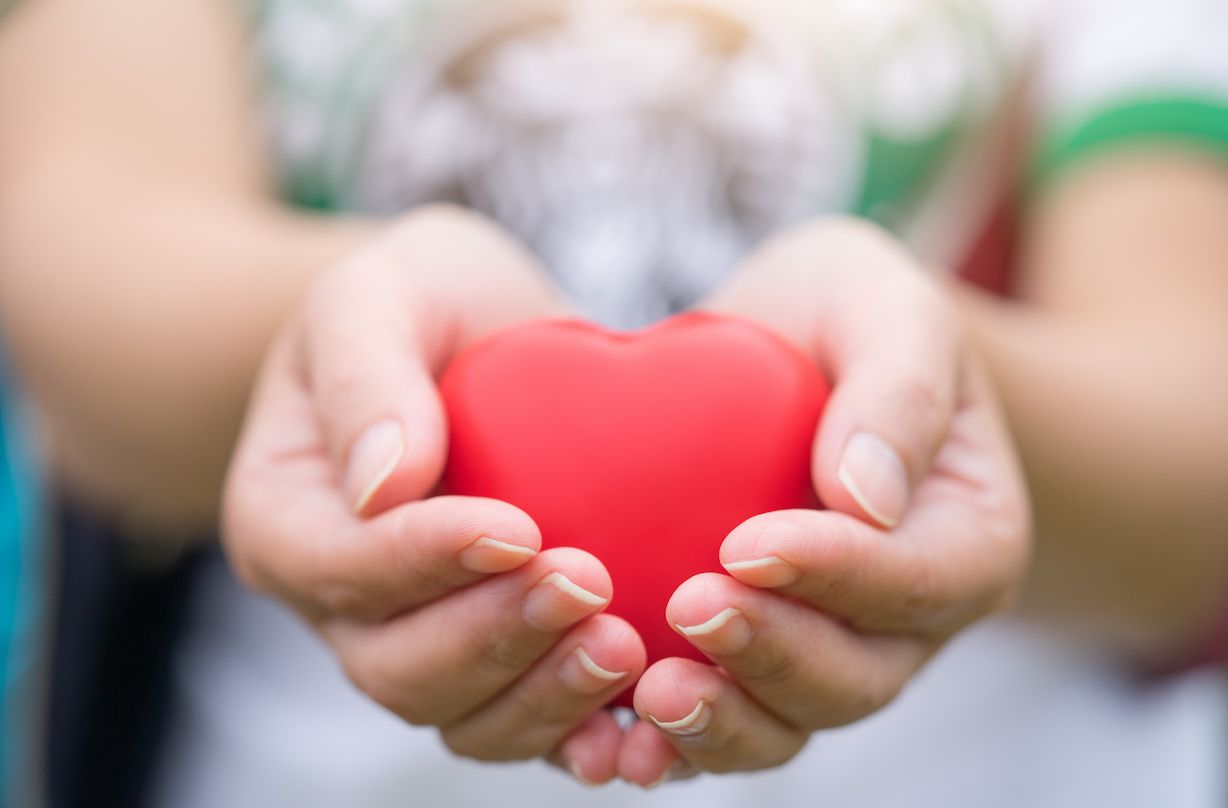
(174, 173)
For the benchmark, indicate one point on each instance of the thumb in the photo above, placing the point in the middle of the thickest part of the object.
(887, 338)
(893, 343)
(368, 367)
(383, 324)
(888, 415)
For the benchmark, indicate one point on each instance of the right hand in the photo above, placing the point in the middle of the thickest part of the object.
(328, 507)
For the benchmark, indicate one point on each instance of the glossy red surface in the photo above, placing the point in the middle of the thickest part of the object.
(643, 448)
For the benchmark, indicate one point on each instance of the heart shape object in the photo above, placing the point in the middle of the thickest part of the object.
(645, 449)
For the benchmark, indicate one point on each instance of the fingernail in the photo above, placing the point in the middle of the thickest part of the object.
(582, 675)
(487, 555)
(727, 632)
(689, 725)
(768, 572)
(875, 476)
(578, 773)
(373, 458)
(556, 602)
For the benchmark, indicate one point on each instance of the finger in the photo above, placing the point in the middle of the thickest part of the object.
(800, 664)
(287, 533)
(590, 666)
(897, 377)
(377, 329)
(709, 721)
(590, 752)
(948, 564)
(366, 361)
(890, 342)
(441, 661)
(647, 759)
(306, 548)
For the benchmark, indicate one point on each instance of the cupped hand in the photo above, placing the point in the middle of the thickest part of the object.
(825, 615)
(442, 609)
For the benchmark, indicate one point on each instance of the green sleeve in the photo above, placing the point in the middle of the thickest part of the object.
(1200, 123)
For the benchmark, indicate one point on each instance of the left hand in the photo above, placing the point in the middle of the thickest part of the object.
(439, 608)
(828, 614)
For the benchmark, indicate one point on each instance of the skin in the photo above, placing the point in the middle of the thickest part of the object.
(872, 586)
(1111, 370)
(389, 589)
(136, 214)
(1102, 361)
(397, 584)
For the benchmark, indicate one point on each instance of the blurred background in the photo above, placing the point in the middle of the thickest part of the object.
(174, 174)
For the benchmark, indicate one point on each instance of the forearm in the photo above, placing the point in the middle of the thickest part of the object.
(1113, 369)
(139, 324)
(144, 260)
(1126, 452)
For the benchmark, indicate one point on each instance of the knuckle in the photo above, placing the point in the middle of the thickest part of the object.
(784, 753)
(839, 577)
(370, 674)
(916, 605)
(920, 597)
(467, 745)
(338, 596)
(869, 699)
(338, 575)
(501, 654)
(528, 703)
(257, 576)
(485, 747)
(538, 711)
(415, 560)
(923, 401)
(772, 670)
(418, 713)
(850, 703)
(722, 763)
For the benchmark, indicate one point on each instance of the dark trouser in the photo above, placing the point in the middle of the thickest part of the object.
(115, 631)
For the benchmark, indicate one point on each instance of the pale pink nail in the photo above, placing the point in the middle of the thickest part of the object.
(373, 458)
(691, 724)
(768, 572)
(557, 602)
(875, 477)
(726, 632)
(488, 556)
(581, 674)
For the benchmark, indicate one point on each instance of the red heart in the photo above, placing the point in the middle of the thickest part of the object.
(643, 448)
